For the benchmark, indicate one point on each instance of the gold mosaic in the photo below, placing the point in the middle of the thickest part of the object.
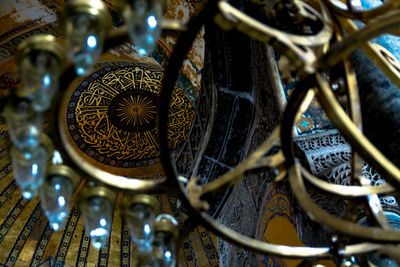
(112, 115)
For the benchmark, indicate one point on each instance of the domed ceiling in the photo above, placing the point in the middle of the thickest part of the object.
(109, 119)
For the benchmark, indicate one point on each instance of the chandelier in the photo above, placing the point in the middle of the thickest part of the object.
(314, 40)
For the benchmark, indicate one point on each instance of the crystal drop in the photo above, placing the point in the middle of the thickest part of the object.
(164, 246)
(140, 222)
(85, 38)
(24, 124)
(97, 215)
(40, 71)
(143, 20)
(29, 170)
(55, 196)
(56, 158)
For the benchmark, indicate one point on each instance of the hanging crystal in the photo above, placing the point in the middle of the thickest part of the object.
(97, 210)
(164, 244)
(39, 60)
(24, 124)
(139, 215)
(56, 194)
(29, 169)
(56, 157)
(143, 18)
(85, 29)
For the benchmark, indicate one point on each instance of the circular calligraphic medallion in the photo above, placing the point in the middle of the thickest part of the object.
(111, 117)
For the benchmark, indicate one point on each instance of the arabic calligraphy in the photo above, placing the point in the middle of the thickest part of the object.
(112, 116)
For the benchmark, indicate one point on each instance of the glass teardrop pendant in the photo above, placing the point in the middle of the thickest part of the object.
(56, 194)
(139, 214)
(85, 29)
(40, 59)
(23, 123)
(143, 18)
(97, 207)
(29, 169)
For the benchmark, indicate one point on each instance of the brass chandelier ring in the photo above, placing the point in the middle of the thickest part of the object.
(348, 11)
(310, 57)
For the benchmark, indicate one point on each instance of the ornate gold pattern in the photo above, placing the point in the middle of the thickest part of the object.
(136, 110)
(112, 114)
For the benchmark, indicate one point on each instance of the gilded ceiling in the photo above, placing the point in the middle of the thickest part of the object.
(109, 116)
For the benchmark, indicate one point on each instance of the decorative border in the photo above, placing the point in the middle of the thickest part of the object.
(18, 29)
(8, 49)
(11, 217)
(125, 245)
(84, 247)
(23, 236)
(209, 248)
(66, 238)
(7, 192)
(41, 246)
(6, 170)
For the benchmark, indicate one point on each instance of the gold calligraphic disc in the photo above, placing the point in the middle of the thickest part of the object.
(110, 119)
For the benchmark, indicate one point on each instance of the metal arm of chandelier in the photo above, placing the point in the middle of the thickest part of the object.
(311, 57)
